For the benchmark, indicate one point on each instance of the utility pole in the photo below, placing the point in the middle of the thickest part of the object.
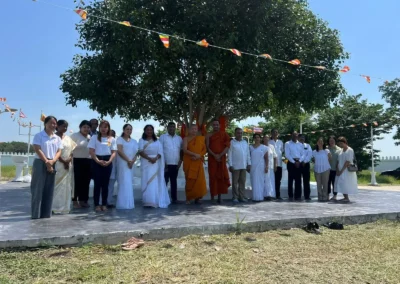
(373, 178)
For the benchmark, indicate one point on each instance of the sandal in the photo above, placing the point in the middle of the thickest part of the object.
(132, 244)
(104, 208)
(97, 209)
(76, 205)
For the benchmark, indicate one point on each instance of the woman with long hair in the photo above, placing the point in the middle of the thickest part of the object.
(102, 149)
(322, 169)
(259, 167)
(154, 189)
(346, 181)
(269, 184)
(127, 151)
(65, 172)
(82, 165)
(48, 148)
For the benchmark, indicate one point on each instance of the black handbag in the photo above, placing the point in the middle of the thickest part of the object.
(353, 167)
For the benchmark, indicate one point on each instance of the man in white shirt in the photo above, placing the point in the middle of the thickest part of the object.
(294, 153)
(172, 147)
(239, 162)
(278, 144)
(305, 166)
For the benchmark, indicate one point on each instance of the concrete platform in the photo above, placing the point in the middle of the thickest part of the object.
(86, 226)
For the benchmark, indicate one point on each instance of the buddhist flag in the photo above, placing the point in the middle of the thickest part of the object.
(125, 23)
(320, 67)
(165, 40)
(266, 56)
(21, 114)
(375, 123)
(345, 69)
(203, 43)
(81, 13)
(295, 62)
(42, 117)
(236, 52)
(368, 78)
(257, 129)
(3, 99)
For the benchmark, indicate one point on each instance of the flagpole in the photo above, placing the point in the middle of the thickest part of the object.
(373, 178)
(29, 147)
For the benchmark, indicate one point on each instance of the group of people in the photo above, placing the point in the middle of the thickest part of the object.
(64, 166)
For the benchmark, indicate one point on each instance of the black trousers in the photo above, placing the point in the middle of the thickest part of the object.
(101, 180)
(82, 177)
(305, 173)
(332, 176)
(172, 175)
(278, 178)
(294, 174)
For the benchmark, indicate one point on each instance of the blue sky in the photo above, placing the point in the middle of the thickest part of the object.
(37, 45)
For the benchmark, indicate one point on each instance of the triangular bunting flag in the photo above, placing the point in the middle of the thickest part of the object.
(365, 124)
(42, 117)
(236, 52)
(368, 78)
(203, 43)
(295, 62)
(81, 13)
(375, 123)
(345, 69)
(165, 40)
(353, 125)
(125, 23)
(267, 56)
(21, 114)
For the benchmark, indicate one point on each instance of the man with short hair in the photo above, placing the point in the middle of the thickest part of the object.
(218, 144)
(172, 147)
(293, 153)
(239, 162)
(93, 128)
(278, 144)
(305, 166)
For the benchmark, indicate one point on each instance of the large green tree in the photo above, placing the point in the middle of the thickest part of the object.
(391, 93)
(15, 147)
(127, 71)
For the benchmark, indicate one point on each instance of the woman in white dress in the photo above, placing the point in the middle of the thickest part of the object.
(127, 150)
(322, 169)
(269, 188)
(154, 189)
(259, 167)
(345, 182)
(64, 183)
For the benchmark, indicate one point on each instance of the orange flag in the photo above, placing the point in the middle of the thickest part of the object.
(81, 13)
(368, 78)
(125, 23)
(165, 40)
(345, 69)
(203, 43)
(267, 56)
(42, 117)
(236, 52)
(295, 62)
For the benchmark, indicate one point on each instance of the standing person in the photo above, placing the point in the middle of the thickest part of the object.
(269, 188)
(127, 151)
(48, 148)
(64, 172)
(94, 123)
(293, 153)
(194, 149)
(113, 178)
(102, 149)
(305, 166)
(334, 150)
(154, 189)
(82, 165)
(259, 167)
(239, 161)
(218, 144)
(346, 181)
(172, 148)
(278, 144)
(322, 169)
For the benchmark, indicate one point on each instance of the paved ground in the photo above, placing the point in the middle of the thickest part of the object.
(84, 226)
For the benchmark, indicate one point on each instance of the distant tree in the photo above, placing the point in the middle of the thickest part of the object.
(15, 147)
(391, 93)
(350, 110)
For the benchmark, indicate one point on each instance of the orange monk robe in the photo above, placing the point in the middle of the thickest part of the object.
(218, 171)
(196, 186)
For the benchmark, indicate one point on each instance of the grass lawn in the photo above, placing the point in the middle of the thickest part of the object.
(7, 173)
(367, 253)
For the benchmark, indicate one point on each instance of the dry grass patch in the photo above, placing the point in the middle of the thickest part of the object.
(359, 254)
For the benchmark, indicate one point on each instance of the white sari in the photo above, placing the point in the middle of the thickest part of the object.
(154, 189)
(64, 182)
(269, 183)
(257, 171)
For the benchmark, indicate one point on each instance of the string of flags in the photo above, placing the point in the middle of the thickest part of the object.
(165, 39)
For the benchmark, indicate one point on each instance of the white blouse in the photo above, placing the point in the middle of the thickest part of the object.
(321, 161)
(103, 147)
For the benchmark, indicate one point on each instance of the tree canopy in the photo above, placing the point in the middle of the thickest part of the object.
(127, 71)
(15, 147)
(391, 93)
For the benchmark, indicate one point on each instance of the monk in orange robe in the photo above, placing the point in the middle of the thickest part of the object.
(194, 149)
(218, 144)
